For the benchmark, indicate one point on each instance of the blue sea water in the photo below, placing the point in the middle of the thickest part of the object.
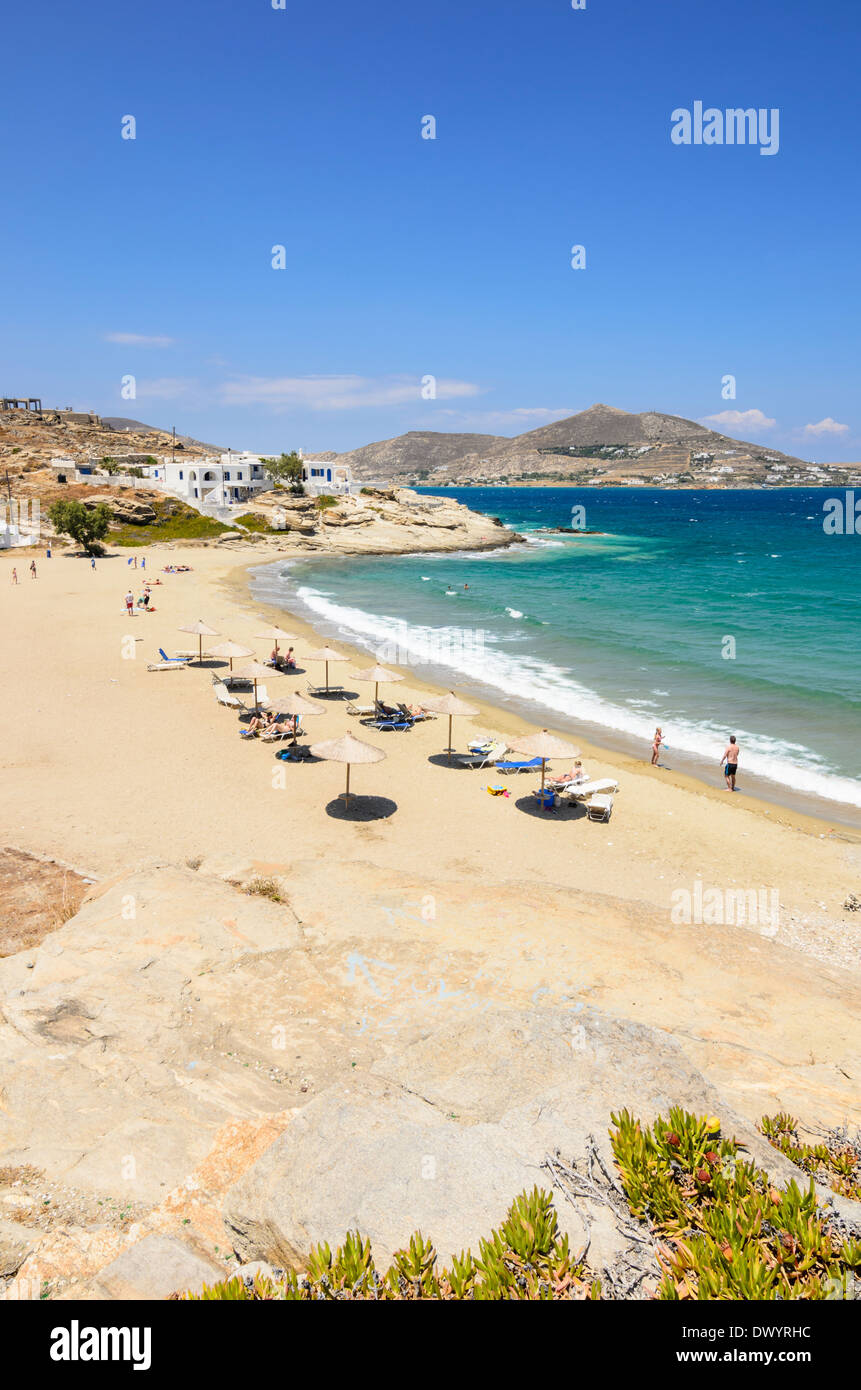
(706, 612)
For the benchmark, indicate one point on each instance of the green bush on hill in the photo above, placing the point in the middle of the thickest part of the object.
(254, 521)
(721, 1231)
(174, 522)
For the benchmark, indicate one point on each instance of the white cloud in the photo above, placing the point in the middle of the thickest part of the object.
(826, 426)
(137, 340)
(335, 392)
(747, 419)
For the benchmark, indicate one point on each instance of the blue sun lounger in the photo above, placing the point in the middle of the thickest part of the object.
(165, 657)
(518, 767)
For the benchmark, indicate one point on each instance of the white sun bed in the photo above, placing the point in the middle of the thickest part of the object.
(581, 791)
(600, 807)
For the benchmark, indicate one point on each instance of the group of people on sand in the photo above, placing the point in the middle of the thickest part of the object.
(143, 601)
(176, 569)
(33, 574)
(283, 661)
(268, 720)
(729, 757)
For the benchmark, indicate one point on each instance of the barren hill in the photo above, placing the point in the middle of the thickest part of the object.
(601, 445)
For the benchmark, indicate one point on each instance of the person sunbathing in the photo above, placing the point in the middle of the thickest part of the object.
(258, 723)
(575, 775)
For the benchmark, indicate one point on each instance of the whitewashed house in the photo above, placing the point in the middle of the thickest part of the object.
(326, 476)
(211, 483)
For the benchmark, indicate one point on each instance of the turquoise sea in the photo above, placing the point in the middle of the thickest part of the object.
(706, 612)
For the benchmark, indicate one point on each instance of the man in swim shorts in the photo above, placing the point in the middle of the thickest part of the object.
(730, 761)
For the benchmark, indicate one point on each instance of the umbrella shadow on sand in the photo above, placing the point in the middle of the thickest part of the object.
(443, 760)
(361, 808)
(566, 810)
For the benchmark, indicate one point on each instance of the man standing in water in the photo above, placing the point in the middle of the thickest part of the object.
(730, 762)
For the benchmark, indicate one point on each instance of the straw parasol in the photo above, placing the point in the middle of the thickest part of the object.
(295, 705)
(200, 630)
(376, 674)
(326, 654)
(347, 750)
(544, 746)
(229, 651)
(276, 635)
(451, 705)
(254, 671)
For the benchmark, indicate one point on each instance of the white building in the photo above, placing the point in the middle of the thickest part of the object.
(210, 482)
(322, 476)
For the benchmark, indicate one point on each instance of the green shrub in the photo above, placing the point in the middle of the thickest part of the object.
(525, 1259)
(174, 522)
(836, 1162)
(254, 521)
(723, 1230)
(324, 501)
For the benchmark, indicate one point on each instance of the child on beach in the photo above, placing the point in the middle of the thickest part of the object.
(33, 569)
(130, 603)
(14, 576)
(656, 747)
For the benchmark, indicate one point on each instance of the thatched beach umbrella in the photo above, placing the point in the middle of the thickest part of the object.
(326, 654)
(276, 635)
(451, 705)
(200, 630)
(376, 674)
(295, 705)
(347, 750)
(544, 746)
(229, 651)
(254, 671)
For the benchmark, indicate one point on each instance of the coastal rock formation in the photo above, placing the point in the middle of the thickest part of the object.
(127, 509)
(449, 1128)
(243, 1074)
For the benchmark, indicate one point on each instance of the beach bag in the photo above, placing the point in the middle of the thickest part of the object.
(498, 791)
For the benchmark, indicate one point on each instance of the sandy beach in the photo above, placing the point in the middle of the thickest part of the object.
(111, 766)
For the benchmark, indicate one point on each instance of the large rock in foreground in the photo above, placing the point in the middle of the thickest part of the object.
(462, 1125)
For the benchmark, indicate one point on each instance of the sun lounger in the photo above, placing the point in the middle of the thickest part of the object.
(167, 665)
(581, 791)
(324, 689)
(491, 753)
(600, 807)
(386, 723)
(387, 718)
(172, 659)
(529, 766)
(363, 710)
(278, 732)
(224, 697)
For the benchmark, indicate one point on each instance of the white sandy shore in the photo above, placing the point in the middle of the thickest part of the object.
(109, 765)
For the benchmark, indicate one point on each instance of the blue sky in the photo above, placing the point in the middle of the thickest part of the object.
(408, 258)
